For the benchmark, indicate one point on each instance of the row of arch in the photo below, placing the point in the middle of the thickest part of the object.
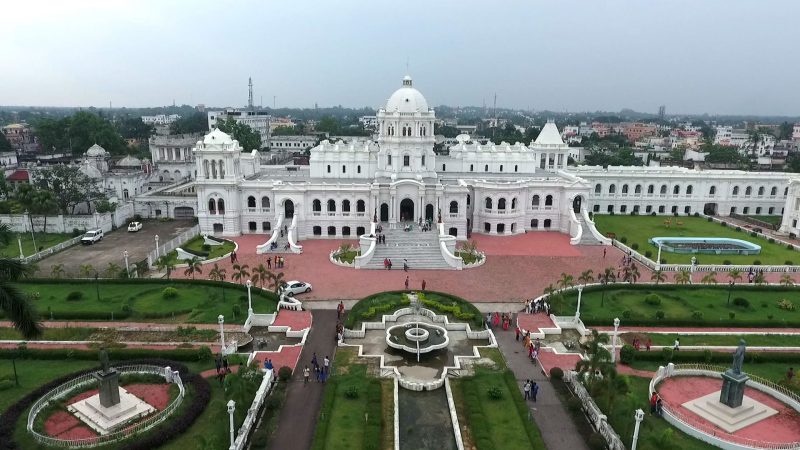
(662, 209)
(501, 203)
(216, 206)
(217, 168)
(331, 231)
(676, 190)
(407, 130)
(251, 202)
(316, 206)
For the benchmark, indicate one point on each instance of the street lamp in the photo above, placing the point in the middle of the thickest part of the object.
(221, 322)
(231, 410)
(19, 241)
(578, 311)
(127, 268)
(658, 260)
(157, 252)
(730, 289)
(614, 341)
(33, 238)
(249, 298)
(97, 285)
(691, 270)
(639, 416)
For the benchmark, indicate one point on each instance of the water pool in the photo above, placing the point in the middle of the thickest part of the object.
(706, 245)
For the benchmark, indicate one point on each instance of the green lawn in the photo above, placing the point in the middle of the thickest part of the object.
(347, 257)
(371, 308)
(196, 302)
(695, 305)
(34, 373)
(639, 229)
(196, 244)
(772, 371)
(775, 220)
(771, 340)
(43, 240)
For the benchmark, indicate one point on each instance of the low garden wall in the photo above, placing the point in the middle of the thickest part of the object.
(593, 412)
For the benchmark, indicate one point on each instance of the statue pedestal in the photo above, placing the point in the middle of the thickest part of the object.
(732, 388)
(109, 387)
(729, 419)
(112, 407)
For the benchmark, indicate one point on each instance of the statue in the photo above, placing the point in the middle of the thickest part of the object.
(738, 358)
(104, 363)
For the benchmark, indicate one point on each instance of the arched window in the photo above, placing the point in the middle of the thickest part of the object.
(265, 202)
(676, 189)
(488, 203)
(501, 167)
(486, 168)
(388, 160)
(358, 169)
(761, 191)
(501, 204)
(221, 206)
(785, 193)
(205, 168)
(637, 189)
(471, 167)
(346, 206)
(547, 223)
(360, 206)
(221, 169)
(597, 188)
(663, 189)
(329, 168)
(535, 202)
(213, 169)
(624, 188)
(125, 194)
(212, 205)
(331, 205)
(612, 189)
(406, 160)
(514, 203)
(444, 167)
(469, 199)
(548, 201)
(454, 207)
(316, 205)
(534, 223)
(423, 160)
(748, 190)
(251, 202)
(515, 167)
(712, 190)
(344, 168)
(736, 190)
(650, 189)
(689, 189)
(773, 191)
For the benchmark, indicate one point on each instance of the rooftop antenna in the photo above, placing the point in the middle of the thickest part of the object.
(250, 93)
(495, 115)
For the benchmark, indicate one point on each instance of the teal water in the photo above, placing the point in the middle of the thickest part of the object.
(425, 420)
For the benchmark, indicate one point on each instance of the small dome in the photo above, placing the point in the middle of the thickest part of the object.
(129, 161)
(217, 137)
(96, 150)
(407, 99)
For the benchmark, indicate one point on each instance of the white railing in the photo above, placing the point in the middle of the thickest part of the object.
(592, 228)
(445, 241)
(88, 378)
(369, 242)
(292, 236)
(712, 434)
(576, 229)
(54, 249)
(252, 413)
(264, 248)
(172, 244)
(593, 412)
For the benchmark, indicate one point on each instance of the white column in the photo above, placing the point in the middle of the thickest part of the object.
(639, 417)
(249, 298)
(578, 310)
(127, 268)
(613, 342)
(221, 322)
(658, 260)
(158, 253)
(231, 410)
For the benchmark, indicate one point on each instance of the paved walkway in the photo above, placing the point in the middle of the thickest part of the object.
(700, 330)
(130, 326)
(298, 417)
(555, 423)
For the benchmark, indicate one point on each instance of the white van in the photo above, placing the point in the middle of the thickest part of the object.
(92, 236)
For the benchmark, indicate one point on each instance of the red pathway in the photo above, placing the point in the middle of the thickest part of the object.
(781, 428)
(549, 359)
(523, 265)
(288, 356)
(534, 322)
(295, 320)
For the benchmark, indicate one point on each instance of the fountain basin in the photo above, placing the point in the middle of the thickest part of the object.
(416, 337)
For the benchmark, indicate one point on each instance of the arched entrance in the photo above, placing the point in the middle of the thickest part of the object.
(710, 209)
(384, 212)
(407, 210)
(184, 212)
(429, 212)
(576, 204)
(288, 209)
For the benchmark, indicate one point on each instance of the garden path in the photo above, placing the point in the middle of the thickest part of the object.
(557, 428)
(299, 414)
(130, 326)
(700, 330)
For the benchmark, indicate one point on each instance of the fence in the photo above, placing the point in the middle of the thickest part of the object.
(709, 433)
(54, 249)
(596, 417)
(760, 223)
(88, 378)
(21, 223)
(252, 413)
(172, 244)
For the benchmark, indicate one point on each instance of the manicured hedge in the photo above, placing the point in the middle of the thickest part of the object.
(173, 427)
(710, 357)
(371, 306)
(114, 354)
(706, 323)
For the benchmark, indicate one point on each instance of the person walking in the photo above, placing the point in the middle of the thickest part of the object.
(405, 265)
(269, 263)
(406, 283)
(339, 310)
(604, 252)
(526, 388)
(518, 332)
(306, 375)
(677, 345)
(534, 391)
(423, 285)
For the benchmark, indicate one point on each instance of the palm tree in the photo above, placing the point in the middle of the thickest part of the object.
(608, 276)
(658, 276)
(86, 270)
(112, 271)
(631, 273)
(193, 267)
(166, 264)
(682, 277)
(240, 272)
(565, 281)
(709, 278)
(5, 234)
(586, 277)
(218, 273)
(276, 281)
(141, 268)
(735, 275)
(13, 302)
(599, 357)
(759, 279)
(57, 271)
(786, 280)
(260, 275)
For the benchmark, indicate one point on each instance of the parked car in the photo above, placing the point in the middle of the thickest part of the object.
(134, 226)
(92, 236)
(296, 287)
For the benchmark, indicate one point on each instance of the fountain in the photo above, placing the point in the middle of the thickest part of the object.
(416, 336)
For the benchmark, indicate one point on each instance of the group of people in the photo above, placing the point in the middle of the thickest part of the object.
(222, 368)
(280, 261)
(494, 320)
(387, 264)
(656, 405)
(381, 239)
(531, 390)
(637, 344)
(751, 274)
(321, 372)
(534, 306)
(531, 346)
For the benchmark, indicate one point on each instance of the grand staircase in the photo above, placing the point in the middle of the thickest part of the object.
(587, 238)
(421, 249)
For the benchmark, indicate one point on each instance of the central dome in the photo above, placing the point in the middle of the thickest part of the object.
(407, 99)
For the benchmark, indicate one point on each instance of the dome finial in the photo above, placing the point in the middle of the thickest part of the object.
(407, 81)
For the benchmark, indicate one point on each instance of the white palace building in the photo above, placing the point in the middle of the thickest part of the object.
(493, 189)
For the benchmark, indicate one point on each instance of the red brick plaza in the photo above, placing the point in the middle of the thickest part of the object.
(517, 267)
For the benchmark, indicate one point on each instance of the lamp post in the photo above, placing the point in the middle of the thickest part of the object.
(19, 241)
(639, 416)
(97, 285)
(249, 298)
(231, 410)
(691, 270)
(157, 252)
(127, 268)
(730, 289)
(658, 260)
(33, 238)
(614, 341)
(578, 311)
(221, 322)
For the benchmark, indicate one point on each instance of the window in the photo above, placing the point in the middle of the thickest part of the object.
(624, 188)
(712, 190)
(674, 209)
(360, 206)
(676, 190)
(423, 160)
(221, 206)
(649, 209)
(358, 169)
(329, 168)
(733, 210)
(316, 206)
(344, 169)
(388, 160)
(773, 191)
(345, 231)
(501, 228)
(501, 167)
(535, 222)
(612, 189)
(265, 202)
(125, 194)
(487, 227)
(548, 201)
(610, 208)
(663, 189)
(637, 189)
(687, 210)
(251, 226)
(251, 202)
(746, 210)
(771, 210)
(597, 188)
(536, 200)
(736, 190)
(623, 208)
(346, 206)
(212, 206)
(444, 167)
(758, 210)
(265, 226)
(454, 207)
(469, 199)
(501, 204)
(488, 203)
(331, 231)
(406, 160)
(761, 191)
(317, 230)
(360, 231)
(636, 209)
(689, 189)
(331, 206)
(596, 208)
(486, 168)
(515, 167)
(513, 203)
(748, 190)
(661, 209)
(548, 223)
(650, 189)
(471, 167)
(786, 191)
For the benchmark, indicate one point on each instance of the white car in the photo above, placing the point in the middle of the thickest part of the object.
(92, 236)
(296, 287)
(134, 226)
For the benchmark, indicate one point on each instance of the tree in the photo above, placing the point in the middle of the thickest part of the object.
(586, 277)
(218, 273)
(248, 138)
(630, 273)
(599, 360)
(785, 131)
(608, 276)
(134, 128)
(709, 278)
(240, 272)
(36, 201)
(78, 132)
(69, 186)
(57, 271)
(658, 276)
(112, 271)
(13, 302)
(446, 131)
(759, 278)
(260, 275)
(86, 270)
(276, 281)
(786, 280)
(565, 281)
(140, 268)
(166, 264)
(328, 124)
(193, 267)
(195, 123)
(682, 277)
(735, 275)
(5, 146)
(5, 234)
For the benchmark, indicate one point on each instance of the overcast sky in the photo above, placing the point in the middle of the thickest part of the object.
(694, 56)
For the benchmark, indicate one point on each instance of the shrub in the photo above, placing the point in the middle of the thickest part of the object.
(707, 356)
(764, 304)
(6, 384)
(648, 253)
(697, 315)
(663, 260)
(696, 214)
(623, 239)
(731, 315)
(626, 354)
(284, 373)
(675, 214)
(769, 316)
(727, 262)
(757, 262)
(738, 228)
(206, 248)
(556, 373)
(169, 293)
(790, 246)
(660, 315)
(494, 393)
(204, 353)
(653, 213)
(652, 299)
(627, 314)
(709, 219)
(666, 354)
(788, 262)
(786, 304)
(723, 224)
(741, 302)
(351, 392)
(771, 240)
(597, 441)
(635, 246)
(753, 234)
(74, 296)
